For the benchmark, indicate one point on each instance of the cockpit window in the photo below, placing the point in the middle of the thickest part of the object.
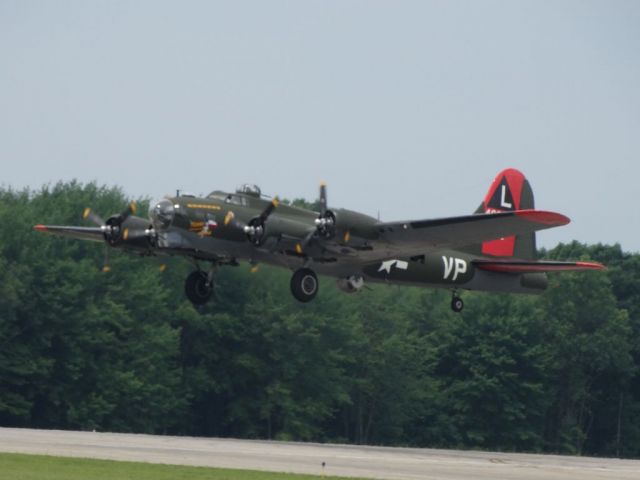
(235, 200)
(249, 189)
(217, 195)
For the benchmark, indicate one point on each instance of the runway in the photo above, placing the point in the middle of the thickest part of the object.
(341, 460)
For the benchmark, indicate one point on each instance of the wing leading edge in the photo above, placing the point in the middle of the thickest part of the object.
(93, 234)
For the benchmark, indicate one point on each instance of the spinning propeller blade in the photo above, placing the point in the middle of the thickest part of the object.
(269, 210)
(323, 199)
(92, 217)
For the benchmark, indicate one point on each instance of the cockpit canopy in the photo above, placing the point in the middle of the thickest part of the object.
(249, 189)
(246, 189)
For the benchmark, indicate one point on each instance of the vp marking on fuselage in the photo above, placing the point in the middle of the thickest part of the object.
(455, 266)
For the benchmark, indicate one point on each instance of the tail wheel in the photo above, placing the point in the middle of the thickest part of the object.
(197, 287)
(304, 285)
(457, 304)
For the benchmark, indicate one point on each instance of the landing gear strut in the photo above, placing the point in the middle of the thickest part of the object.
(198, 287)
(456, 303)
(304, 285)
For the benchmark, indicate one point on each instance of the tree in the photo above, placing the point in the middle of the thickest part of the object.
(125, 351)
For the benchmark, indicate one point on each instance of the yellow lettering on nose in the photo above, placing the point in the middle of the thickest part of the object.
(203, 206)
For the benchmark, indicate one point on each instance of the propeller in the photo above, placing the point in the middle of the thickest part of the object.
(106, 268)
(89, 214)
(269, 210)
(323, 198)
(305, 241)
(255, 228)
(113, 229)
(326, 221)
(93, 217)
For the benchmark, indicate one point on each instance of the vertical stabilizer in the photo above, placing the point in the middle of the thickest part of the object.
(509, 191)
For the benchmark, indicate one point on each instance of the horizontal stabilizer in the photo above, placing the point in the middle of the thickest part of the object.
(519, 266)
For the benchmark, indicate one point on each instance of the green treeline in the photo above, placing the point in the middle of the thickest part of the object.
(125, 351)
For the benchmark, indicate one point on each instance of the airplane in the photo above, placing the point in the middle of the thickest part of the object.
(493, 249)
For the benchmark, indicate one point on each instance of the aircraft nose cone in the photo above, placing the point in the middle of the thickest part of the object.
(161, 214)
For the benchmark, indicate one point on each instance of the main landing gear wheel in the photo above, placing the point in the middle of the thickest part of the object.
(197, 287)
(304, 285)
(457, 304)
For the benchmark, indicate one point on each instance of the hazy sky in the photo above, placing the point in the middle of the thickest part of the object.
(406, 108)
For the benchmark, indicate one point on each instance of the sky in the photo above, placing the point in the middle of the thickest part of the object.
(406, 109)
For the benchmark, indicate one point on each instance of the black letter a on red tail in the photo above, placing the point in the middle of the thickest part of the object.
(502, 199)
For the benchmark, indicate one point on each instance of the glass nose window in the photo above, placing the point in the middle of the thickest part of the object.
(162, 214)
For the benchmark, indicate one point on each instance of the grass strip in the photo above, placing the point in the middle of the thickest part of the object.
(15, 466)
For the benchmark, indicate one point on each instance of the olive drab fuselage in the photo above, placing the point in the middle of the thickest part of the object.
(208, 228)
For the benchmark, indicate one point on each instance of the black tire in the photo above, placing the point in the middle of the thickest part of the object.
(196, 288)
(304, 285)
(457, 304)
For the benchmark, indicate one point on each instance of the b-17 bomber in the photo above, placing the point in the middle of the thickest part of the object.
(493, 249)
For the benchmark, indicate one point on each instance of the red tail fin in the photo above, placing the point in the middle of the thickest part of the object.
(509, 191)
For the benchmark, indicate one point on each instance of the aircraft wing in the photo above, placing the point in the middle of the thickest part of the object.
(415, 237)
(94, 234)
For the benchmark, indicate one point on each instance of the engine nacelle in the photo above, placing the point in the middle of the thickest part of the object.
(339, 222)
(351, 284)
(130, 232)
(258, 231)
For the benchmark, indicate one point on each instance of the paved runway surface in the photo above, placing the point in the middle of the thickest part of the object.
(353, 461)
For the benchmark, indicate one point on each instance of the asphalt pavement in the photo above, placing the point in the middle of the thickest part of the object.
(339, 460)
